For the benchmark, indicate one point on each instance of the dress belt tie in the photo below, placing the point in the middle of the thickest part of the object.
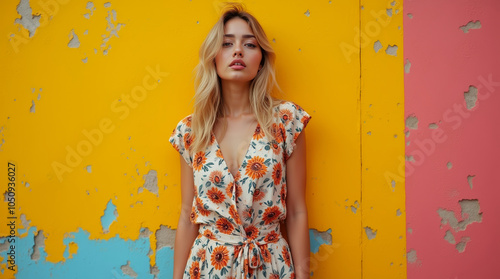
(248, 251)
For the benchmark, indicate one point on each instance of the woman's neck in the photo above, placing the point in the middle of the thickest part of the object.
(235, 96)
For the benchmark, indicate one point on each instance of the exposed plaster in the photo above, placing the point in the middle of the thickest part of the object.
(28, 20)
(470, 25)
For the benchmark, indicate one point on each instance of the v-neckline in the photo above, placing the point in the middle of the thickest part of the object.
(244, 157)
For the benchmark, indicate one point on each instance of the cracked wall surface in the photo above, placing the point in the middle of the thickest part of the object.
(453, 89)
(91, 91)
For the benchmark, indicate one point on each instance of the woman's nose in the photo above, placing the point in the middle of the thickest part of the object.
(237, 50)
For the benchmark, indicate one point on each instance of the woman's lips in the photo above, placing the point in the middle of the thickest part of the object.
(237, 67)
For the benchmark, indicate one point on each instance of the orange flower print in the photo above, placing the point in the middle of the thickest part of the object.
(246, 269)
(278, 132)
(272, 237)
(212, 139)
(283, 195)
(286, 115)
(276, 147)
(201, 208)
(194, 271)
(201, 254)
(188, 140)
(259, 133)
(234, 214)
(237, 191)
(176, 147)
(216, 177)
(220, 256)
(193, 216)
(274, 275)
(187, 121)
(258, 195)
(292, 275)
(224, 226)
(210, 235)
(256, 168)
(218, 153)
(286, 256)
(215, 195)
(277, 173)
(295, 136)
(271, 214)
(266, 255)
(229, 189)
(248, 213)
(199, 160)
(305, 120)
(252, 232)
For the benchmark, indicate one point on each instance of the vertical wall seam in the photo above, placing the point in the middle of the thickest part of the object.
(360, 142)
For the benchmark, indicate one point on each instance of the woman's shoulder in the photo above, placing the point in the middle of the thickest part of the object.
(289, 106)
(184, 125)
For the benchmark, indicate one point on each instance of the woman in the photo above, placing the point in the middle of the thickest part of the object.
(242, 163)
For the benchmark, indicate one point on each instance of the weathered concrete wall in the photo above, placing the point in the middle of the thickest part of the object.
(452, 87)
(91, 90)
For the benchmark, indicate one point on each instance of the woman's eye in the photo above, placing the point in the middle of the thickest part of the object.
(251, 45)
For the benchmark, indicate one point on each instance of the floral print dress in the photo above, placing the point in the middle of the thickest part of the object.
(239, 216)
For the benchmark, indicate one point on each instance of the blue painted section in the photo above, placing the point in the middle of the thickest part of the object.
(165, 262)
(109, 216)
(316, 240)
(94, 259)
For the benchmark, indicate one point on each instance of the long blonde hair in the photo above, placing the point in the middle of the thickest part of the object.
(208, 93)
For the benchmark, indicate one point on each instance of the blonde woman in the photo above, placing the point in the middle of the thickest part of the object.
(243, 168)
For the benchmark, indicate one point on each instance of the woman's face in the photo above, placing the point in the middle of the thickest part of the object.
(238, 43)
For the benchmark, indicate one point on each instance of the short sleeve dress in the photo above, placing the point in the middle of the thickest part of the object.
(239, 216)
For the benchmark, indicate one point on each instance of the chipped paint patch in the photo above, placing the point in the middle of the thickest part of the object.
(471, 25)
(318, 238)
(165, 237)
(29, 21)
(109, 216)
(370, 233)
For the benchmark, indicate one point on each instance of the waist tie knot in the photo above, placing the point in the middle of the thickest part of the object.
(247, 250)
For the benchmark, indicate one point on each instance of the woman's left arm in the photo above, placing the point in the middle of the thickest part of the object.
(296, 220)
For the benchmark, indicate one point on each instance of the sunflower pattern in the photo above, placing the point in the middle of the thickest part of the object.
(239, 216)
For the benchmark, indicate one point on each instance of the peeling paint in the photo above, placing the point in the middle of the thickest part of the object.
(127, 270)
(32, 108)
(151, 182)
(318, 238)
(307, 13)
(471, 25)
(109, 216)
(392, 50)
(469, 180)
(165, 237)
(433, 126)
(411, 256)
(470, 214)
(407, 66)
(471, 97)
(370, 233)
(39, 244)
(74, 42)
(412, 122)
(449, 165)
(89, 168)
(460, 246)
(448, 236)
(377, 46)
(29, 21)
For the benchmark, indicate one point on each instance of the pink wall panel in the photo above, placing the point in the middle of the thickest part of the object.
(445, 61)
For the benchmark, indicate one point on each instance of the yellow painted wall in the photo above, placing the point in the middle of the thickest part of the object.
(319, 64)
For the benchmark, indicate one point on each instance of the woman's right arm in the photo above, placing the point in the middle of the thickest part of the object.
(186, 231)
